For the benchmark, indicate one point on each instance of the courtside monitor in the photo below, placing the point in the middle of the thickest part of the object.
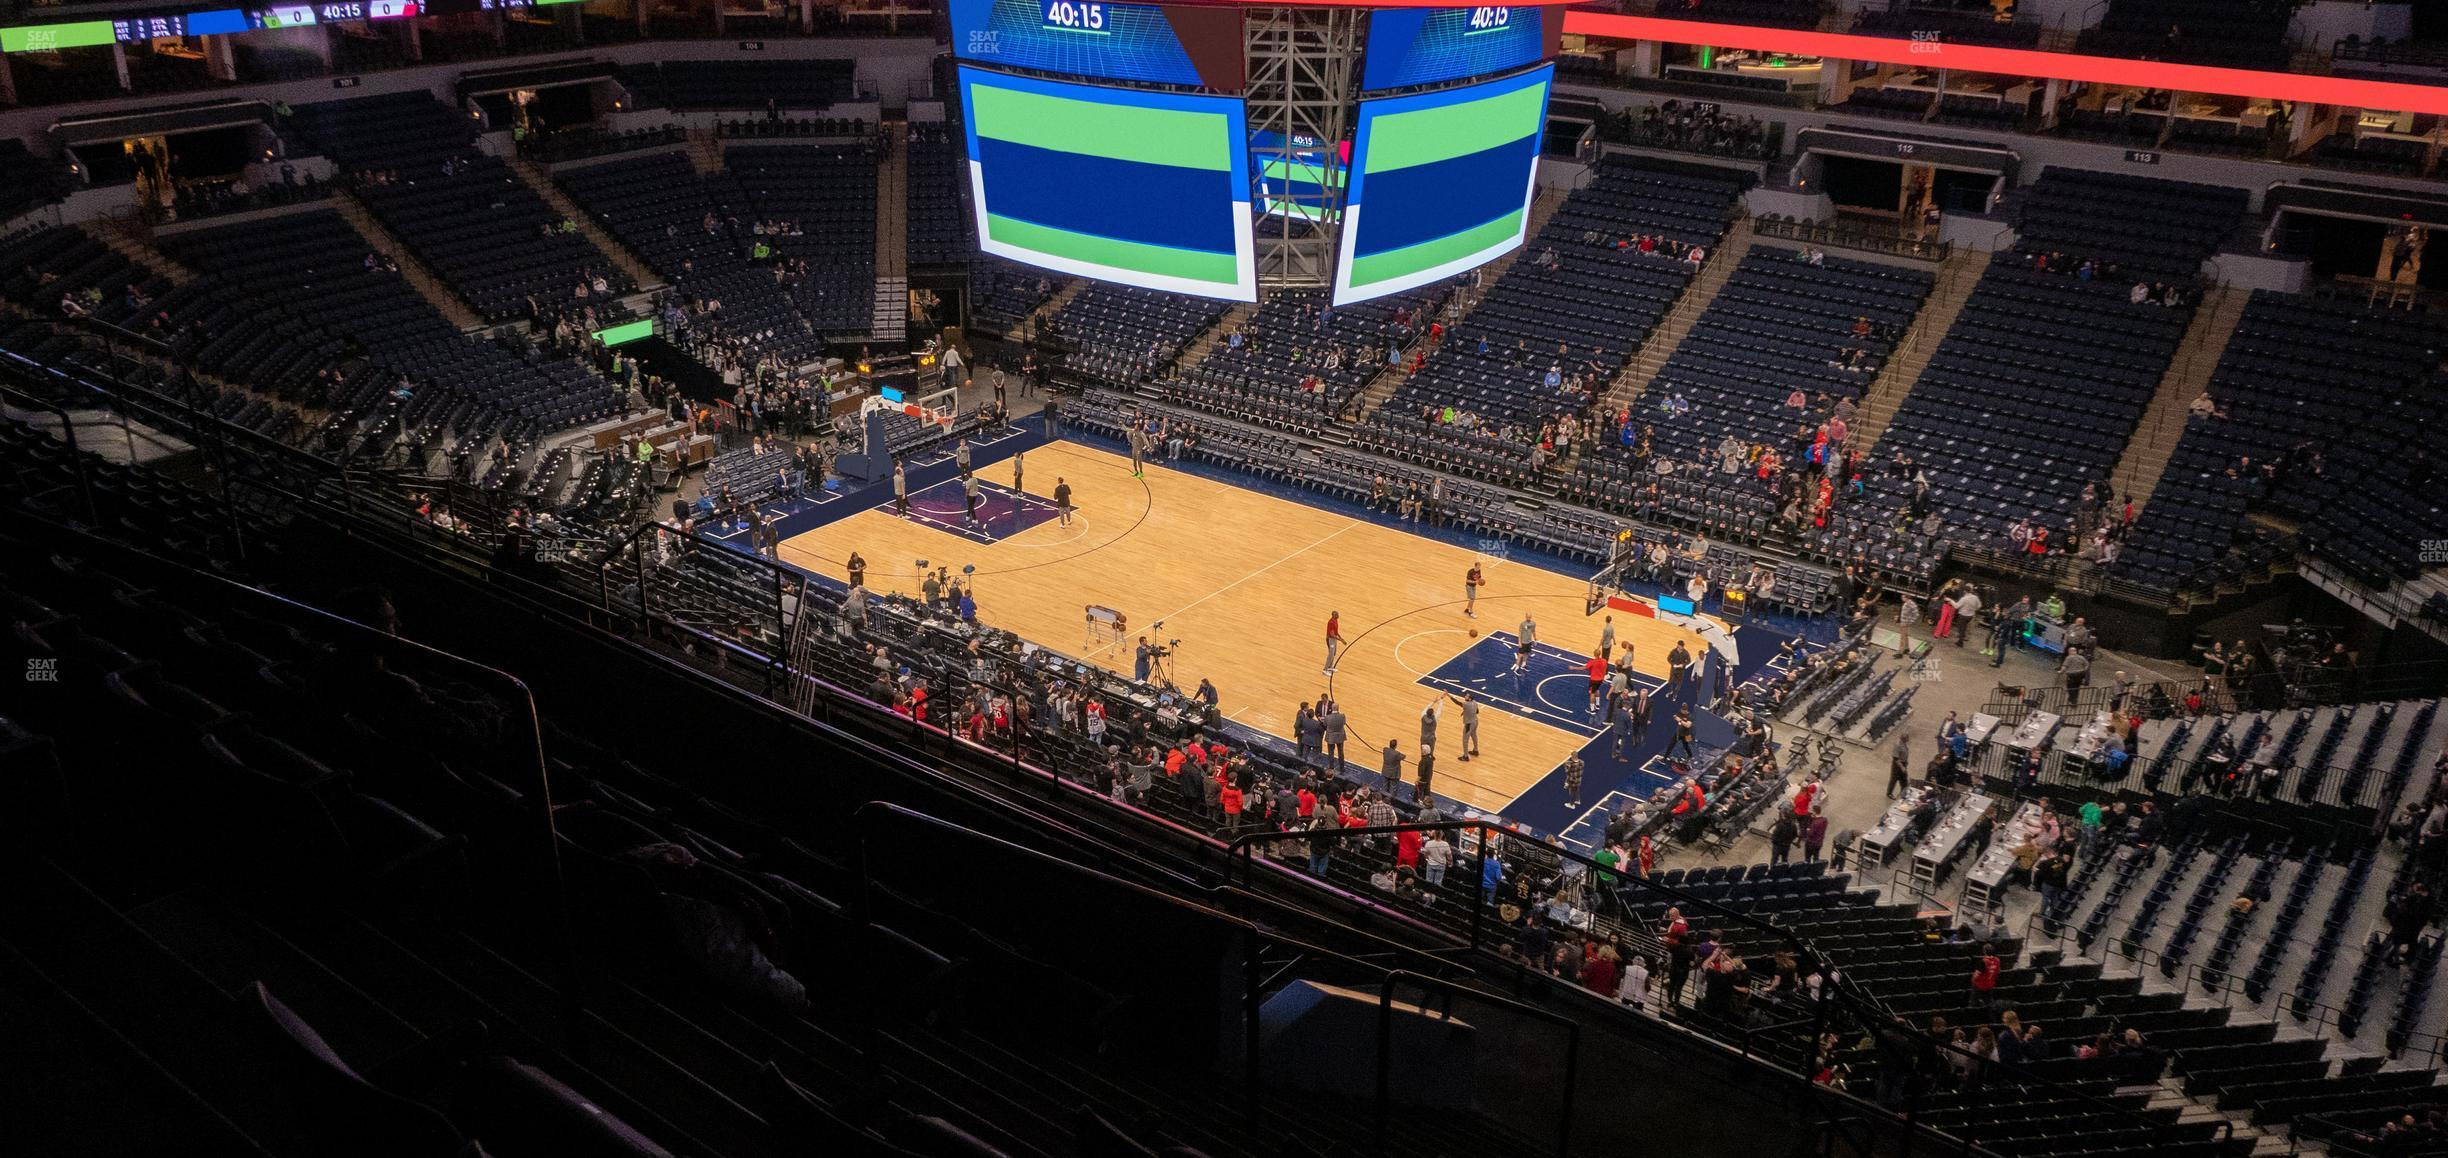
(1144, 188)
(1441, 183)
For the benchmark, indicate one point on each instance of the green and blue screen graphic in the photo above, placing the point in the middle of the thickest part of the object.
(1146, 188)
(1442, 182)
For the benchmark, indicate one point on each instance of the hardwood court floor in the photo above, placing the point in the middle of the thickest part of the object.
(1245, 581)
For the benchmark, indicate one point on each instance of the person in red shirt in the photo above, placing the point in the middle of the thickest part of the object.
(1985, 975)
(1334, 638)
(1173, 762)
(1230, 797)
(1802, 800)
(1197, 752)
(1407, 849)
(1308, 802)
(1693, 799)
(1597, 667)
(1648, 857)
(1600, 970)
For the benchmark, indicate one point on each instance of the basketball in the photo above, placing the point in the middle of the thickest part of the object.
(1474, 633)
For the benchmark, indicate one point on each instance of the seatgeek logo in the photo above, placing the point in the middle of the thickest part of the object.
(1927, 40)
(982, 42)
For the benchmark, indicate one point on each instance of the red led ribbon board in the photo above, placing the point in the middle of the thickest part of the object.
(2324, 90)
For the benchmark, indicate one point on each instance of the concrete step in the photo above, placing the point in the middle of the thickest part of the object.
(892, 203)
(705, 151)
(890, 319)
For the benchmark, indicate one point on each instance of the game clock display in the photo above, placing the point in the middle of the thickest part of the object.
(1072, 16)
(1193, 45)
(1415, 46)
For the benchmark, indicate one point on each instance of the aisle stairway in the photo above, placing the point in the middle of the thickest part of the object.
(892, 203)
(2163, 425)
(133, 239)
(892, 237)
(1636, 375)
(412, 270)
(705, 151)
(1946, 302)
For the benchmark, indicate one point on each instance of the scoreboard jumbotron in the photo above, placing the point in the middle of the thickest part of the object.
(1166, 145)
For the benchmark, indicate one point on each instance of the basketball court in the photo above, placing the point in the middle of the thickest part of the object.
(1245, 581)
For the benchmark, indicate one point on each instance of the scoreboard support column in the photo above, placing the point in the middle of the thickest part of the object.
(1301, 89)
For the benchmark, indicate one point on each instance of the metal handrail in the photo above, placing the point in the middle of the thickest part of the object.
(525, 750)
(1848, 237)
(1875, 1018)
(862, 821)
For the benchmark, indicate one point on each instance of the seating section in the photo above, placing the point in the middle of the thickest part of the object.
(2342, 763)
(1564, 532)
(1002, 294)
(1779, 324)
(469, 387)
(1782, 323)
(938, 225)
(2302, 380)
(462, 212)
(699, 233)
(1121, 334)
(825, 198)
(1578, 300)
(2388, 514)
(2238, 34)
(2037, 387)
(1300, 363)
(1691, 127)
(2135, 228)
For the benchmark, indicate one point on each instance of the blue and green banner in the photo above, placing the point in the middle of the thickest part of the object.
(1441, 183)
(1145, 188)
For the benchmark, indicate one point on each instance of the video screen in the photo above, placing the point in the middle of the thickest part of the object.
(1144, 188)
(1155, 43)
(1416, 46)
(1442, 183)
